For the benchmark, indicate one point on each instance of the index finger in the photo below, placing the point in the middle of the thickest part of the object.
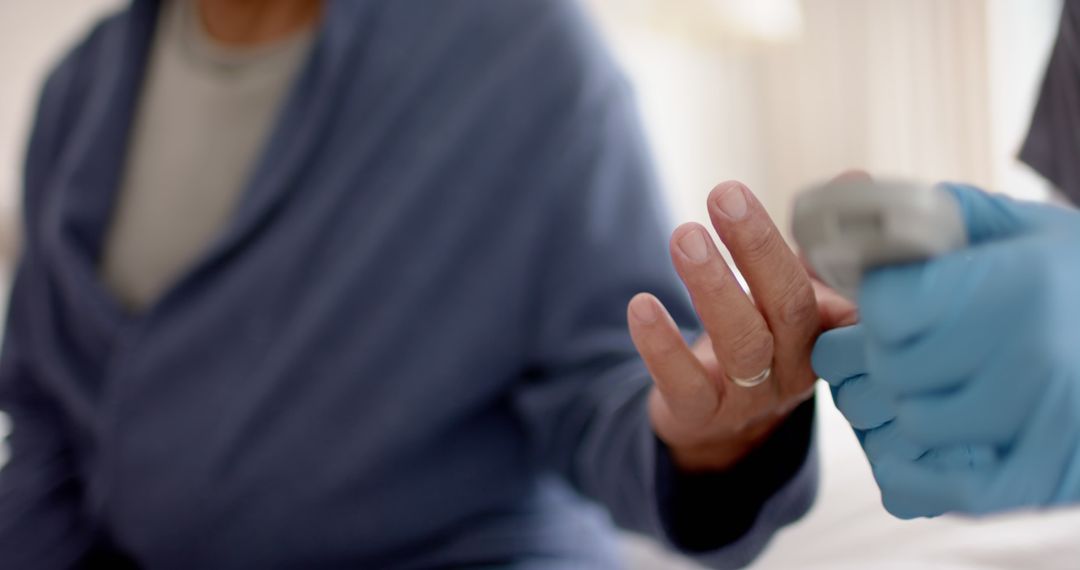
(679, 376)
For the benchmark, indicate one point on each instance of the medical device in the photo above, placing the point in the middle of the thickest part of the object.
(846, 228)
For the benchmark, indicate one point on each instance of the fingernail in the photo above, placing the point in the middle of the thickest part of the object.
(694, 247)
(732, 203)
(644, 310)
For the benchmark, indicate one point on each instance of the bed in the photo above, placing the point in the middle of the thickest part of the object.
(849, 529)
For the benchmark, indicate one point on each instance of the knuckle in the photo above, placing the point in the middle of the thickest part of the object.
(715, 285)
(753, 348)
(797, 306)
(760, 244)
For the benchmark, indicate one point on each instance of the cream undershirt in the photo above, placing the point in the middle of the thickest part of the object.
(204, 113)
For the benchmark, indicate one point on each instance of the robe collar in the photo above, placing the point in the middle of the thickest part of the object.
(90, 169)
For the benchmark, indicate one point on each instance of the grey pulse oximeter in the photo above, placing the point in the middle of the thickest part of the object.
(846, 228)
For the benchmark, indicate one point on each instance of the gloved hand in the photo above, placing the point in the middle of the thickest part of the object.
(840, 358)
(963, 378)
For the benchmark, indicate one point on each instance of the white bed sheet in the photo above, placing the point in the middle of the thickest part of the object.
(849, 529)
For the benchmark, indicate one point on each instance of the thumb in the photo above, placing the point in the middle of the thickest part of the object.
(990, 217)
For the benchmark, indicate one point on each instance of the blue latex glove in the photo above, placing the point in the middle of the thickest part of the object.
(963, 378)
(840, 358)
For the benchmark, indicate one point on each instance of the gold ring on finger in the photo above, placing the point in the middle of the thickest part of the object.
(752, 381)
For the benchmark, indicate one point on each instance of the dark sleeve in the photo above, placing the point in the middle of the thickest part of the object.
(690, 502)
(1053, 143)
(42, 521)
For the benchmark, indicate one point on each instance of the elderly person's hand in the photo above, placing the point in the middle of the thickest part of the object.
(963, 379)
(715, 401)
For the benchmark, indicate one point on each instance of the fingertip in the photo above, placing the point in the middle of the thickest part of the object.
(903, 510)
(685, 228)
(652, 329)
(731, 201)
(893, 479)
(643, 309)
(724, 186)
(839, 354)
(691, 246)
(821, 357)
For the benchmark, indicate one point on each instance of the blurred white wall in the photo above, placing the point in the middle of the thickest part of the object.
(920, 89)
(32, 36)
(1020, 34)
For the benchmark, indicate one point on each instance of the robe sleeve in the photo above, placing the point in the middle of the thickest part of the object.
(40, 521)
(42, 524)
